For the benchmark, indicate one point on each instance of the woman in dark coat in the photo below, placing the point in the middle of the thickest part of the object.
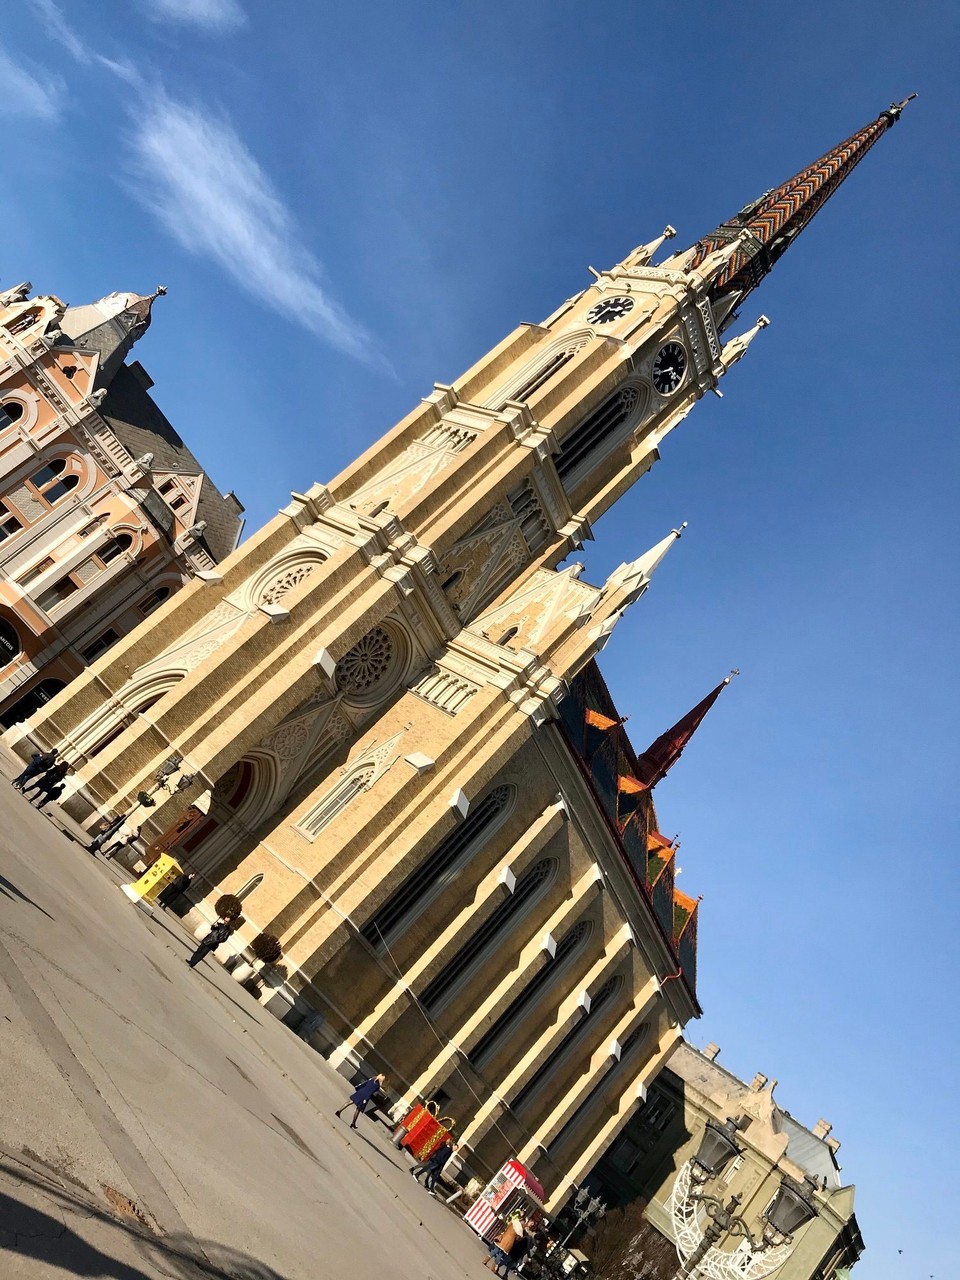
(174, 889)
(220, 932)
(40, 761)
(360, 1097)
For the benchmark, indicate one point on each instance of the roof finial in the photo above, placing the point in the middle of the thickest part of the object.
(640, 257)
(892, 112)
(734, 672)
(159, 292)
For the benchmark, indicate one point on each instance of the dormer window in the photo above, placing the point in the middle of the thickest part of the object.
(25, 320)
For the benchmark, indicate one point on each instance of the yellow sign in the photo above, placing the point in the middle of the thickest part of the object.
(163, 872)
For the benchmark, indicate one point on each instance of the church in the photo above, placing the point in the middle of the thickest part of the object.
(394, 737)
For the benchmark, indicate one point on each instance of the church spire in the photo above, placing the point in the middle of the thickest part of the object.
(664, 753)
(762, 231)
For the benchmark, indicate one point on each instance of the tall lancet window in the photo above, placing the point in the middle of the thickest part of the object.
(496, 1034)
(570, 1041)
(335, 801)
(491, 934)
(433, 875)
(634, 1041)
(600, 427)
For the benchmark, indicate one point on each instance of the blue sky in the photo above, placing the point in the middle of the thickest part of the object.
(349, 203)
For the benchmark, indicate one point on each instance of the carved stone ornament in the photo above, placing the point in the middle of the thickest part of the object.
(366, 664)
(284, 582)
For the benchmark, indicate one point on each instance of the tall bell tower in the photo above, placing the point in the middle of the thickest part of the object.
(358, 587)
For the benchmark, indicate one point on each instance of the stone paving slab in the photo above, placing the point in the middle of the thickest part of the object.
(120, 1066)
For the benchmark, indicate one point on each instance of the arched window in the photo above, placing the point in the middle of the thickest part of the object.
(38, 697)
(51, 483)
(569, 1042)
(630, 1045)
(115, 547)
(531, 885)
(433, 875)
(596, 427)
(9, 524)
(253, 883)
(540, 374)
(335, 801)
(10, 646)
(571, 942)
(11, 411)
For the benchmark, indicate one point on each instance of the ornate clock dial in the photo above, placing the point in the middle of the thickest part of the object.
(608, 309)
(669, 367)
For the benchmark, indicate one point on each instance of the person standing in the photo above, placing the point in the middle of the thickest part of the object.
(174, 889)
(104, 830)
(361, 1096)
(219, 933)
(39, 762)
(433, 1165)
(120, 845)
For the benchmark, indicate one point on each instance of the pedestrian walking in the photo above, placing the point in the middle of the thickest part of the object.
(433, 1165)
(219, 933)
(174, 889)
(105, 829)
(49, 786)
(361, 1096)
(48, 794)
(47, 780)
(39, 762)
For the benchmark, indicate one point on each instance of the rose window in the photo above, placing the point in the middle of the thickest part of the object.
(366, 664)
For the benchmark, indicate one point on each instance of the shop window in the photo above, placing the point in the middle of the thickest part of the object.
(51, 482)
(100, 645)
(10, 646)
(38, 697)
(9, 524)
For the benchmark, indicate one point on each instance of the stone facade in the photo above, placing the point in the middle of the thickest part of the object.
(652, 1149)
(383, 704)
(104, 512)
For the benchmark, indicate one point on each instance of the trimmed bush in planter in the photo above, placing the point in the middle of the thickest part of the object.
(266, 947)
(228, 906)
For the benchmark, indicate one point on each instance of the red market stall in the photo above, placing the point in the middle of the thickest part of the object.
(513, 1192)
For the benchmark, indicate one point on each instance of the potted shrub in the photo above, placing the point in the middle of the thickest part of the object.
(266, 948)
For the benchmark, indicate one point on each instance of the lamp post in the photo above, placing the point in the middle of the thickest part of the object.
(789, 1210)
(163, 775)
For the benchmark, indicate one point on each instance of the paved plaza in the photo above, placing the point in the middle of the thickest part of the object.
(156, 1121)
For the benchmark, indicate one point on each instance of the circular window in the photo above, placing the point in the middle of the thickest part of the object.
(366, 664)
(10, 646)
(12, 410)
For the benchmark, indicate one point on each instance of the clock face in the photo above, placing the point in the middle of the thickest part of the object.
(608, 309)
(668, 368)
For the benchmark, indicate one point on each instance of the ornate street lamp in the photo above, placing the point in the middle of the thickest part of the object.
(789, 1210)
(717, 1149)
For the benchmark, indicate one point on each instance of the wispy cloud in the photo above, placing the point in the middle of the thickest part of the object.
(195, 175)
(212, 15)
(27, 92)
